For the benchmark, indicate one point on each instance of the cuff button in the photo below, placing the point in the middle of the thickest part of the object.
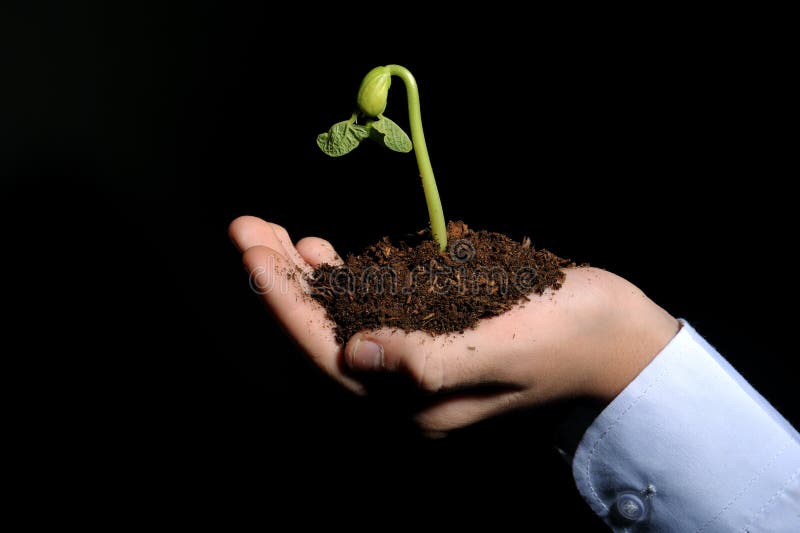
(629, 508)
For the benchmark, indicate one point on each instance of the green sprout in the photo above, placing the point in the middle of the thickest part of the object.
(344, 137)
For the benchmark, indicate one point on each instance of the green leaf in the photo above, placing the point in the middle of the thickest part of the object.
(343, 137)
(392, 135)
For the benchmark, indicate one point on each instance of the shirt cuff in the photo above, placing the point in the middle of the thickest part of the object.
(689, 445)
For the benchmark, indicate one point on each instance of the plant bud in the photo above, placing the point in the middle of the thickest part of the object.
(374, 91)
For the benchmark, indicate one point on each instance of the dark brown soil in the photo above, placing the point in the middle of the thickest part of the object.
(411, 286)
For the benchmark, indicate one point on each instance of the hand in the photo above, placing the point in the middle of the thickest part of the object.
(588, 339)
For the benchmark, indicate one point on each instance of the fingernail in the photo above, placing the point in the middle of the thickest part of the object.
(366, 355)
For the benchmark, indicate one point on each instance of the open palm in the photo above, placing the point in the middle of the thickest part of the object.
(590, 338)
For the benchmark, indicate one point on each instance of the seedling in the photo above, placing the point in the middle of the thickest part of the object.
(345, 136)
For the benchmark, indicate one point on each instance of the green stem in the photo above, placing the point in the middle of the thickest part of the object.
(438, 226)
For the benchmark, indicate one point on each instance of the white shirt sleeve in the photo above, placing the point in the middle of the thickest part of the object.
(690, 446)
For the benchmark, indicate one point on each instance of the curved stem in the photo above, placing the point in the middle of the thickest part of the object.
(435, 212)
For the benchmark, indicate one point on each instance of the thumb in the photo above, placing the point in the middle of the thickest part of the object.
(365, 355)
(392, 351)
(435, 363)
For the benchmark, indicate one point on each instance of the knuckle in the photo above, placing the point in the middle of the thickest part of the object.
(429, 373)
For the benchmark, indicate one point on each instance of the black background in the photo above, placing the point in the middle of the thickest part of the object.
(147, 375)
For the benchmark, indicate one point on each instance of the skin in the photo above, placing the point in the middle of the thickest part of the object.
(589, 339)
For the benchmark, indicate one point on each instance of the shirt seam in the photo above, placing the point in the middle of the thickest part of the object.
(771, 500)
(747, 485)
(611, 426)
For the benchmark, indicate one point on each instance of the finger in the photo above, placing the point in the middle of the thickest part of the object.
(436, 364)
(316, 251)
(463, 410)
(247, 232)
(274, 277)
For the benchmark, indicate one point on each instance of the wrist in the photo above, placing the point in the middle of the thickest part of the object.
(638, 331)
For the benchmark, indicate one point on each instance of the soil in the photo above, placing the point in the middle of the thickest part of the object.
(411, 286)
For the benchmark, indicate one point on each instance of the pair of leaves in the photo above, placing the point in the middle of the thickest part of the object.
(344, 137)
